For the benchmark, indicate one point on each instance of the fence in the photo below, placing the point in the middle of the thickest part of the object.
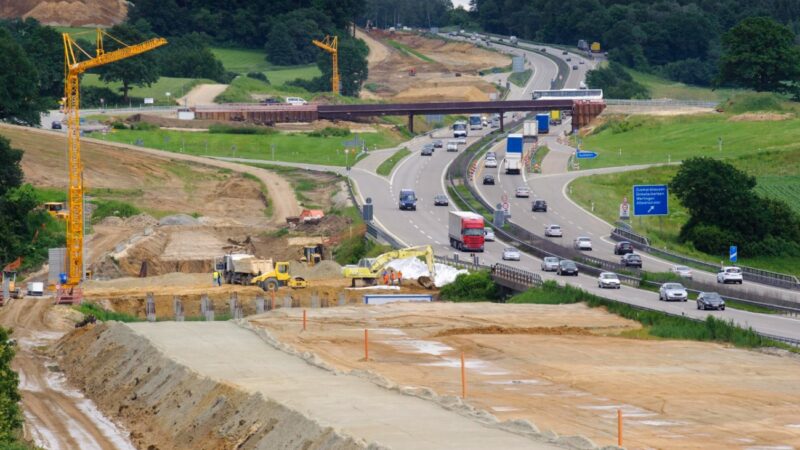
(664, 103)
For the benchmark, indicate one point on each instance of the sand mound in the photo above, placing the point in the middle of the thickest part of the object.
(67, 12)
(760, 117)
(494, 329)
(323, 270)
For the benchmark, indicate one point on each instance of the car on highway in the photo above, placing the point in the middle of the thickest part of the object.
(710, 300)
(553, 231)
(452, 146)
(543, 50)
(682, 271)
(490, 163)
(539, 205)
(582, 243)
(429, 146)
(730, 274)
(522, 192)
(574, 67)
(569, 59)
(488, 179)
(438, 144)
(491, 155)
(488, 234)
(462, 140)
(56, 125)
(440, 200)
(673, 291)
(623, 247)
(565, 52)
(426, 152)
(567, 267)
(511, 254)
(408, 200)
(608, 280)
(580, 62)
(631, 260)
(550, 264)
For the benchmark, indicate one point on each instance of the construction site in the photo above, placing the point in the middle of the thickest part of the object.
(217, 316)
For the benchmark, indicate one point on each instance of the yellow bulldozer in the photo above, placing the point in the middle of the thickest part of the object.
(369, 270)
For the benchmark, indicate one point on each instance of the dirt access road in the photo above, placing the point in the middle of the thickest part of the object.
(350, 404)
(202, 94)
(566, 368)
(56, 416)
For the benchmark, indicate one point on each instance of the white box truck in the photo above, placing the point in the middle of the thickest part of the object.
(530, 129)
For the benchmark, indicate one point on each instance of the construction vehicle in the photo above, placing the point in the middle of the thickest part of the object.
(57, 210)
(369, 270)
(412, 72)
(70, 291)
(277, 277)
(8, 281)
(312, 254)
(595, 47)
(331, 45)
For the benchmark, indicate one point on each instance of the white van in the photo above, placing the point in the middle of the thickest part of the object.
(295, 101)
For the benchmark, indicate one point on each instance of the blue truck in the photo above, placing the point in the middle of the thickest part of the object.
(543, 120)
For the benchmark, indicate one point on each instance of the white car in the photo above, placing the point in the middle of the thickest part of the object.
(582, 243)
(730, 274)
(488, 234)
(673, 291)
(490, 163)
(608, 280)
(682, 271)
(511, 254)
(452, 146)
(553, 231)
(522, 192)
(550, 264)
(296, 101)
(462, 140)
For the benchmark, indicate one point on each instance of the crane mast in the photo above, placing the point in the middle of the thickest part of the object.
(70, 292)
(331, 45)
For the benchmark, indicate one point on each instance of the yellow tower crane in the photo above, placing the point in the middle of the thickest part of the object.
(70, 292)
(331, 45)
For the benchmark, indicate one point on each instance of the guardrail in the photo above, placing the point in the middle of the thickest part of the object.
(761, 276)
(660, 103)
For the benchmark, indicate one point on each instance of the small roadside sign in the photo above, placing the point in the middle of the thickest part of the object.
(733, 253)
(624, 209)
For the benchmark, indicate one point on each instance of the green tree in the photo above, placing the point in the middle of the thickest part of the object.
(280, 50)
(616, 82)
(10, 414)
(188, 56)
(760, 54)
(140, 70)
(11, 174)
(44, 48)
(353, 70)
(19, 93)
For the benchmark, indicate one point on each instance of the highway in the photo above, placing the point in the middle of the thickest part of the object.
(428, 225)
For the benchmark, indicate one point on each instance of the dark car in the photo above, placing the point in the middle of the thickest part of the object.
(574, 67)
(623, 248)
(564, 52)
(56, 125)
(539, 205)
(426, 152)
(438, 144)
(543, 50)
(271, 101)
(488, 179)
(429, 146)
(567, 267)
(631, 260)
(710, 300)
(440, 200)
(569, 59)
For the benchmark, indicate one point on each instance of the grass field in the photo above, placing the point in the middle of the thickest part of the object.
(386, 167)
(408, 50)
(177, 87)
(292, 147)
(242, 89)
(521, 78)
(645, 140)
(664, 88)
(777, 174)
(243, 61)
(83, 32)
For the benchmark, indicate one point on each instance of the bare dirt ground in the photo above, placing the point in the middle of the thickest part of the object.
(202, 94)
(566, 368)
(434, 81)
(378, 52)
(57, 416)
(67, 12)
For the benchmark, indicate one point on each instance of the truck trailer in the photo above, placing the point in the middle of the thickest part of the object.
(543, 121)
(529, 129)
(466, 231)
(514, 154)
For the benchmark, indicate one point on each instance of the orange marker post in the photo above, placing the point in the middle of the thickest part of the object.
(619, 427)
(366, 344)
(463, 378)
(304, 320)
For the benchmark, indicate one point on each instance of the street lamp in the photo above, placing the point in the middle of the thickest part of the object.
(168, 94)
(103, 105)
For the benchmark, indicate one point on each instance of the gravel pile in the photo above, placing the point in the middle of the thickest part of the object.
(179, 219)
(141, 220)
(323, 270)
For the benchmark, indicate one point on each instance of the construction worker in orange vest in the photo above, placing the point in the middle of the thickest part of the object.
(385, 277)
(399, 277)
(392, 276)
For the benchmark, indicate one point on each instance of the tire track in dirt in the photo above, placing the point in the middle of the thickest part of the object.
(57, 416)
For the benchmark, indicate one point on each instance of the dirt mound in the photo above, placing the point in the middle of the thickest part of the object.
(67, 12)
(166, 405)
(322, 270)
(494, 329)
(760, 117)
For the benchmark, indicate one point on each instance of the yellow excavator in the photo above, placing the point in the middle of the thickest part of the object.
(369, 270)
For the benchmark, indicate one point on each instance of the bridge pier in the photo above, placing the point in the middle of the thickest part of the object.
(502, 122)
(411, 123)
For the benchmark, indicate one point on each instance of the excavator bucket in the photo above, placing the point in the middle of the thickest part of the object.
(426, 282)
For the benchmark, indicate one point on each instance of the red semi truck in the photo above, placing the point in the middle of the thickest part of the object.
(466, 231)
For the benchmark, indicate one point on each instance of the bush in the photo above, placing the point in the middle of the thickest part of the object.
(707, 238)
(616, 82)
(750, 102)
(330, 131)
(10, 414)
(107, 208)
(143, 126)
(258, 76)
(104, 314)
(119, 125)
(228, 129)
(471, 287)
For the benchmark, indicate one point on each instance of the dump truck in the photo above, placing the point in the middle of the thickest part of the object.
(369, 270)
(246, 269)
(466, 231)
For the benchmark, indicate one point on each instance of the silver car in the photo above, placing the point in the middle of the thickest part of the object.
(608, 280)
(673, 291)
(488, 234)
(550, 264)
(582, 243)
(682, 271)
(553, 231)
(511, 254)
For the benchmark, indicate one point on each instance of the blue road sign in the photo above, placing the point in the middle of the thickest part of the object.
(650, 200)
(734, 253)
(585, 155)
